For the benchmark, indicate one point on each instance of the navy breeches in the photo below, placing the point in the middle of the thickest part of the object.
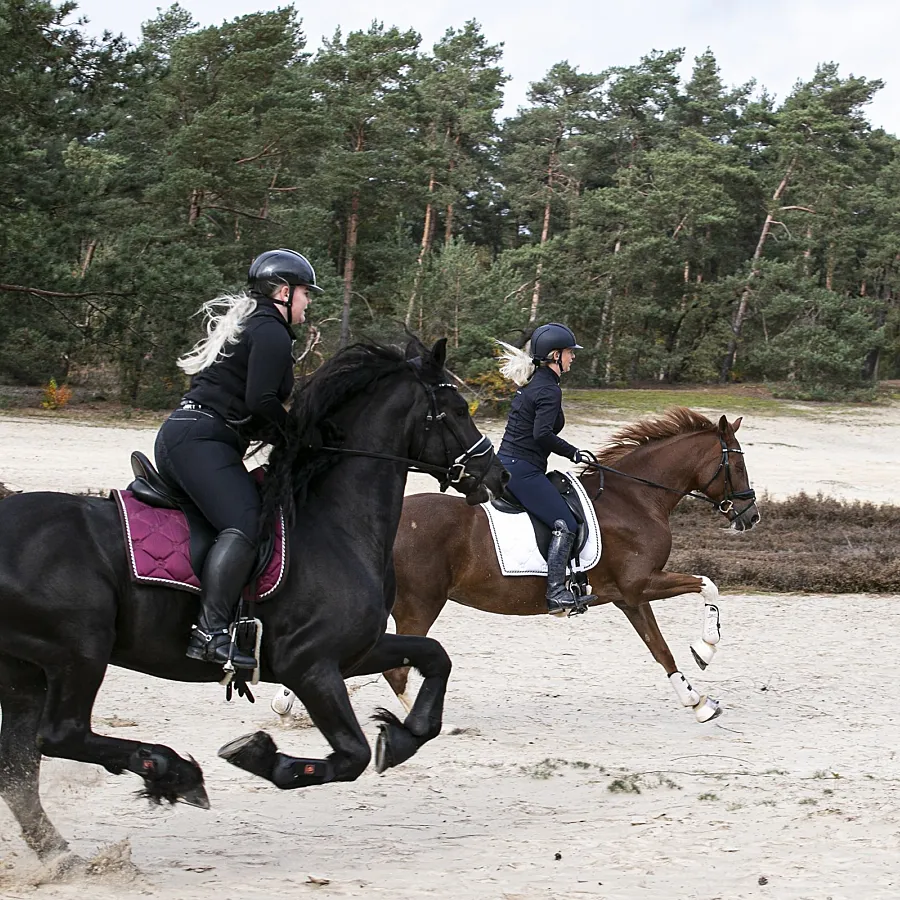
(534, 491)
(197, 451)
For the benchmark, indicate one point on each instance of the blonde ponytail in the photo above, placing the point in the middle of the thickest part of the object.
(516, 364)
(225, 317)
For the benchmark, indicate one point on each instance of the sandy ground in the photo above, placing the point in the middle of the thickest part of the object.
(849, 454)
(566, 768)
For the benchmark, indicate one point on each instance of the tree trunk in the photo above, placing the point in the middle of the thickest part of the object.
(424, 248)
(872, 362)
(196, 206)
(737, 322)
(88, 257)
(536, 294)
(607, 310)
(349, 261)
(448, 224)
(610, 344)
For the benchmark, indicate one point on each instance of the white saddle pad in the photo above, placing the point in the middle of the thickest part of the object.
(516, 544)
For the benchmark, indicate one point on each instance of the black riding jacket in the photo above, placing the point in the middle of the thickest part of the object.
(248, 386)
(535, 420)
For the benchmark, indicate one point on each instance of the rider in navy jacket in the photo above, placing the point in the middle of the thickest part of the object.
(532, 434)
(242, 373)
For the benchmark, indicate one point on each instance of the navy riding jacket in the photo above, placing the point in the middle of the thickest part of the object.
(249, 385)
(535, 420)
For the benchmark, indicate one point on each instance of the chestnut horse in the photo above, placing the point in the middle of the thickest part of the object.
(444, 548)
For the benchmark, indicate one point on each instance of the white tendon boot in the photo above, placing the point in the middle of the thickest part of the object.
(283, 701)
(704, 649)
(705, 708)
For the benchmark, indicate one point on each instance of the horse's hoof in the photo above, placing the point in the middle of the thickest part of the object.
(196, 796)
(703, 653)
(382, 753)
(395, 745)
(65, 866)
(283, 701)
(707, 709)
(255, 753)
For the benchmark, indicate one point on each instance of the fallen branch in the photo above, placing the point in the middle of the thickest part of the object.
(65, 295)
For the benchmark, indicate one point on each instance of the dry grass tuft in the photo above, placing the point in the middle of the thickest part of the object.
(814, 544)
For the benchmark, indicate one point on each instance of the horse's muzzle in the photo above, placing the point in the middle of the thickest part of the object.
(746, 519)
(490, 486)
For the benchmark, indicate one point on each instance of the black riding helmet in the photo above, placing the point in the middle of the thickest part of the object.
(276, 267)
(550, 337)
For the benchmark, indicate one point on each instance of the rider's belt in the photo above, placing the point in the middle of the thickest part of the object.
(192, 404)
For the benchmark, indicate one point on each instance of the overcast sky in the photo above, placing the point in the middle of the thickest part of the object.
(774, 41)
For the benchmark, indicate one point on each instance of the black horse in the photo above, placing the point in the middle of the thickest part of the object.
(68, 607)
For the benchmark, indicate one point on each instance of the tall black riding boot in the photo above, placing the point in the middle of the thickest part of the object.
(225, 573)
(560, 600)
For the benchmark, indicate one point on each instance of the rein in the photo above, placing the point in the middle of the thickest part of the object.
(447, 475)
(724, 506)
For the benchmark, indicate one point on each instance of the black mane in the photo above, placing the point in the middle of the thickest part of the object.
(295, 460)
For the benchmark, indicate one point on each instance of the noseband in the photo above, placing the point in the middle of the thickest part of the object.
(726, 504)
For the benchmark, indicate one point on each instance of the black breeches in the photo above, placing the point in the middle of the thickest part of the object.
(200, 453)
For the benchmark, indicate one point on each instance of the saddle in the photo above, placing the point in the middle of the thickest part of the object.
(153, 490)
(508, 503)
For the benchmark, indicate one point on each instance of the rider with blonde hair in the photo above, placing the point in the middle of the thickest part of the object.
(532, 434)
(242, 373)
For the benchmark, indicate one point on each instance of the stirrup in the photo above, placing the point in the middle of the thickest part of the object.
(575, 607)
(217, 648)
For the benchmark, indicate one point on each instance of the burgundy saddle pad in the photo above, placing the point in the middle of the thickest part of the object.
(159, 548)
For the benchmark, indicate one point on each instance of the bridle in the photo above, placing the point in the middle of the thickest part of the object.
(457, 470)
(724, 506)
(448, 476)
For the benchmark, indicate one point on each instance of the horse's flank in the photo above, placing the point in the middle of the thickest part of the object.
(673, 422)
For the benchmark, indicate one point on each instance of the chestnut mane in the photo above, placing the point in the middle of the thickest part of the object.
(673, 422)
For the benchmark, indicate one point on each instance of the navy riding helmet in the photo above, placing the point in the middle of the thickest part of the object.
(277, 267)
(550, 337)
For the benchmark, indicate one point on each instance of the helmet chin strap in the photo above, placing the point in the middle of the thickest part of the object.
(288, 303)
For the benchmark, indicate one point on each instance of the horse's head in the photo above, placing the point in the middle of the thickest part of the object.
(448, 438)
(728, 483)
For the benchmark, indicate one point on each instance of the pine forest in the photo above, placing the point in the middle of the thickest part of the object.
(688, 230)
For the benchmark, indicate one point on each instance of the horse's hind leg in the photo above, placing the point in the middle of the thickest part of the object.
(398, 741)
(644, 622)
(414, 616)
(65, 731)
(322, 691)
(22, 694)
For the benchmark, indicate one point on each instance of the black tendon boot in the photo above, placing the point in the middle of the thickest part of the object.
(225, 572)
(560, 600)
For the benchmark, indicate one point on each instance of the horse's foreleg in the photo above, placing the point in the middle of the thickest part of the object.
(664, 586)
(22, 694)
(65, 732)
(644, 623)
(704, 649)
(398, 741)
(322, 691)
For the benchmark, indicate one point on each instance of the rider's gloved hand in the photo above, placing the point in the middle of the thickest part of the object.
(584, 457)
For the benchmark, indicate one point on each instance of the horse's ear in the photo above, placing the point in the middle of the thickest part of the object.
(724, 425)
(413, 350)
(439, 353)
(737, 423)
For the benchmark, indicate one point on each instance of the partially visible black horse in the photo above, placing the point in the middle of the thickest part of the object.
(68, 607)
